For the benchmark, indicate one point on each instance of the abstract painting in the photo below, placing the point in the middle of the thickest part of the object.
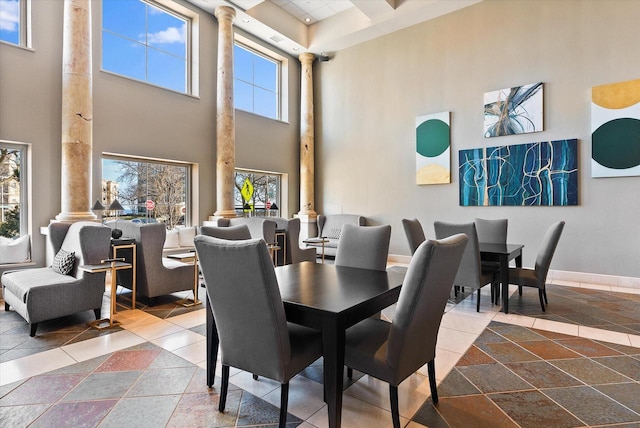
(516, 110)
(615, 129)
(532, 174)
(433, 149)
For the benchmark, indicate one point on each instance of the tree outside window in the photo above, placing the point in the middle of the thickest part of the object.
(266, 193)
(10, 196)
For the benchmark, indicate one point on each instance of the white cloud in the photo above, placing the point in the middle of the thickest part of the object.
(9, 15)
(170, 35)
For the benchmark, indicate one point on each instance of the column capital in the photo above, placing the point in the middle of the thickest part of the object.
(306, 58)
(225, 12)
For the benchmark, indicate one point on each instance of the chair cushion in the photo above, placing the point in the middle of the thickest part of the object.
(63, 262)
(366, 348)
(186, 235)
(14, 250)
(172, 240)
(332, 233)
(19, 282)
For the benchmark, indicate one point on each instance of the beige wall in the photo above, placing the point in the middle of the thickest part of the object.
(368, 98)
(131, 118)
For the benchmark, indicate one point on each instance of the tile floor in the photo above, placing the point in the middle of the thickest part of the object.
(562, 368)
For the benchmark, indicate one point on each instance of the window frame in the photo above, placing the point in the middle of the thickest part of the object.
(24, 32)
(191, 185)
(192, 46)
(25, 183)
(281, 199)
(282, 78)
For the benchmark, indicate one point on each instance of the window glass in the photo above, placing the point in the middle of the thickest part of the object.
(13, 175)
(13, 21)
(135, 182)
(265, 199)
(256, 82)
(145, 42)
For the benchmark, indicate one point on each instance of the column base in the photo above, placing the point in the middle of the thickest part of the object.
(77, 216)
(223, 214)
(308, 225)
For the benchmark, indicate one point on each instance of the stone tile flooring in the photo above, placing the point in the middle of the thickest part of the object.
(509, 376)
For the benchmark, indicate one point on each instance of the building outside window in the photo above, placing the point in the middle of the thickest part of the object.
(136, 181)
(256, 85)
(13, 195)
(265, 197)
(14, 22)
(150, 42)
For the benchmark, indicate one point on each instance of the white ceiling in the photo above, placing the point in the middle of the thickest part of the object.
(332, 24)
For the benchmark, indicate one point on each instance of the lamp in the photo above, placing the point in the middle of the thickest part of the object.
(98, 207)
(117, 207)
(274, 207)
(247, 209)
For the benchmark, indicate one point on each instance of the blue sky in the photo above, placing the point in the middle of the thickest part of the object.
(9, 21)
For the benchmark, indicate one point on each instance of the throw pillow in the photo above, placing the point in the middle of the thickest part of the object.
(63, 262)
(333, 233)
(15, 250)
(172, 240)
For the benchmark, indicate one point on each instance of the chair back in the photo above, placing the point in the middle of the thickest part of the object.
(258, 226)
(231, 233)
(492, 231)
(364, 247)
(546, 251)
(415, 233)
(89, 241)
(247, 307)
(470, 268)
(425, 291)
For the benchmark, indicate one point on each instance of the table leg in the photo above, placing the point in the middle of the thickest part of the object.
(504, 281)
(212, 344)
(333, 351)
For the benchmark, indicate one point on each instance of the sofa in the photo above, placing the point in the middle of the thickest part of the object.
(260, 227)
(179, 240)
(41, 294)
(330, 228)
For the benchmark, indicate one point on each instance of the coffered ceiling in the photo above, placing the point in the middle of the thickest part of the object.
(317, 26)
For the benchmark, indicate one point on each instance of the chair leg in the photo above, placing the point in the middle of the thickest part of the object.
(520, 290)
(395, 413)
(478, 302)
(493, 292)
(97, 313)
(541, 295)
(431, 371)
(284, 401)
(34, 327)
(255, 377)
(349, 373)
(224, 388)
(6, 307)
(544, 293)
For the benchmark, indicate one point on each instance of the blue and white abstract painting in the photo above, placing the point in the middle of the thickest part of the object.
(533, 174)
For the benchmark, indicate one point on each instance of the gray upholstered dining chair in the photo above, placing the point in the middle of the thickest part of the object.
(493, 232)
(393, 351)
(415, 233)
(364, 247)
(537, 277)
(249, 314)
(470, 273)
(232, 233)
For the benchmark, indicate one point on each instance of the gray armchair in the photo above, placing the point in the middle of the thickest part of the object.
(364, 247)
(537, 277)
(393, 351)
(415, 233)
(155, 275)
(249, 315)
(293, 252)
(42, 294)
(470, 273)
(259, 227)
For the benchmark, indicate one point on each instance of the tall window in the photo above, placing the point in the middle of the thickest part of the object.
(261, 196)
(150, 191)
(256, 82)
(14, 22)
(146, 41)
(13, 186)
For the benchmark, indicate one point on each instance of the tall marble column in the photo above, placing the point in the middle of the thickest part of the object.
(307, 211)
(225, 116)
(77, 113)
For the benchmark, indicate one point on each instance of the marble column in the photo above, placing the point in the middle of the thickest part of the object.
(307, 213)
(225, 116)
(77, 113)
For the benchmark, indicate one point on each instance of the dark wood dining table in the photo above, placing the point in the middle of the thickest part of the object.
(503, 253)
(331, 299)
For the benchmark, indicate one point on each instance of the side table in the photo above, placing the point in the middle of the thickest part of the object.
(111, 265)
(190, 257)
(322, 241)
(123, 244)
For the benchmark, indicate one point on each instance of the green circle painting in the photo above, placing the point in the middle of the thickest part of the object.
(616, 144)
(432, 138)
